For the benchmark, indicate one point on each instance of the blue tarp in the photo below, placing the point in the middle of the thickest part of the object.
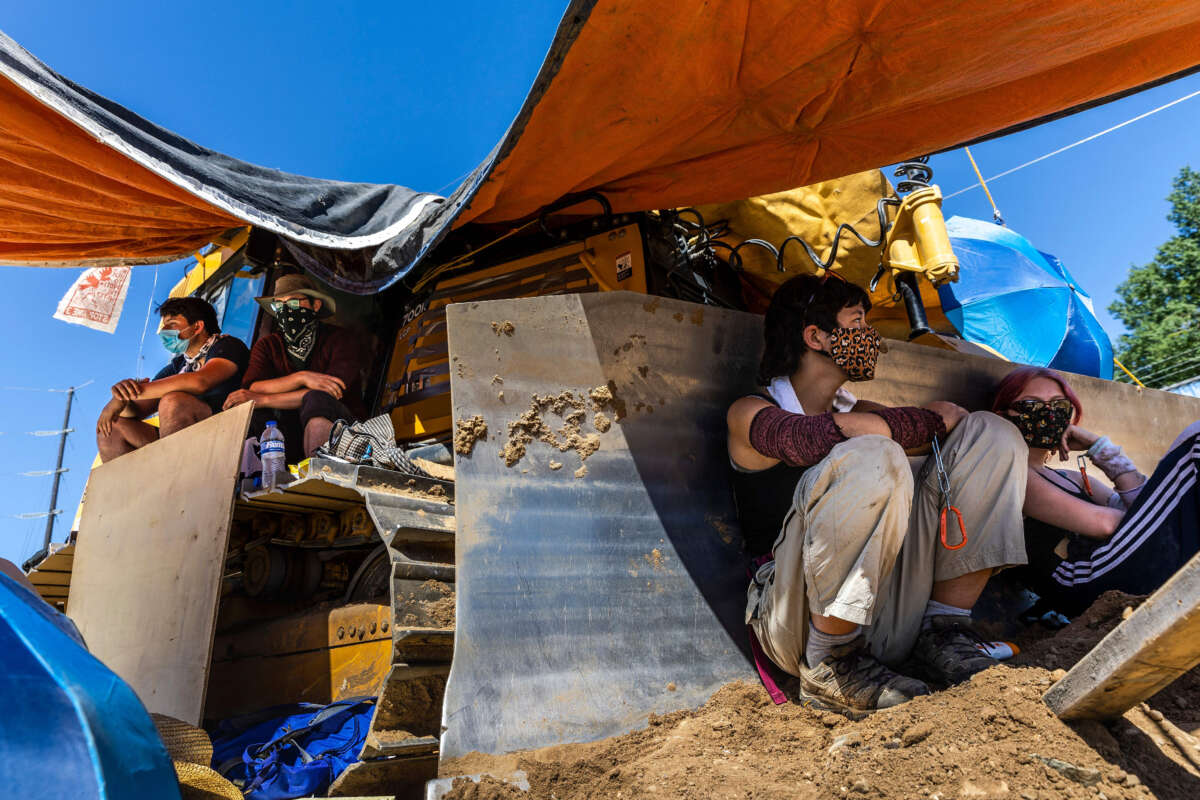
(72, 728)
(1022, 302)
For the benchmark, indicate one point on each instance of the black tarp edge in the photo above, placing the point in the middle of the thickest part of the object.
(322, 212)
(391, 228)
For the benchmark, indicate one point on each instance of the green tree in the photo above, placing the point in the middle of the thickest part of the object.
(1159, 302)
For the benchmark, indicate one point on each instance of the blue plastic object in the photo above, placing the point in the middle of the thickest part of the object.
(294, 750)
(72, 728)
(1022, 302)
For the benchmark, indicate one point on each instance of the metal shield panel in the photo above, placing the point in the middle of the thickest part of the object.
(586, 603)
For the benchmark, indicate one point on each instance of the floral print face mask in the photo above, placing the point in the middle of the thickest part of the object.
(1042, 422)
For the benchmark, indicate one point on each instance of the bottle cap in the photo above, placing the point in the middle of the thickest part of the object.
(270, 423)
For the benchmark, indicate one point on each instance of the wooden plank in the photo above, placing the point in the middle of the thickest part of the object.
(149, 558)
(41, 578)
(1158, 643)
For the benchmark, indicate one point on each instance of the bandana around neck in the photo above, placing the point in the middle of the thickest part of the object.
(200, 359)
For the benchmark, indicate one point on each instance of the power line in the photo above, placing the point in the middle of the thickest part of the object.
(1084, 140)
(37, 514)
(1151, 366)
(1163, 375)
(1169, 369)
(36, 389)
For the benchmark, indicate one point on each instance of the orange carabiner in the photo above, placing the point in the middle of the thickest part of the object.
(961, 527)
(1087, 485)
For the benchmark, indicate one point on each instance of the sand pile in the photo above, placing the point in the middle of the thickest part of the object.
(990, 738)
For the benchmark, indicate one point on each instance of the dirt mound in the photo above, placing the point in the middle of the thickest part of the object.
(990, 738)
(1179, 702)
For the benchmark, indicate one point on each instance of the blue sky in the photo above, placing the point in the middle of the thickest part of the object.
(417, 95)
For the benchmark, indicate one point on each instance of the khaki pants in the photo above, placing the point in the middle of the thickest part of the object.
(862, 545)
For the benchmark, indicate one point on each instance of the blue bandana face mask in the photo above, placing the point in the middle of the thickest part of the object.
(172, 342)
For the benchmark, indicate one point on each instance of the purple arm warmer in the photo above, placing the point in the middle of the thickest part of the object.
(798, 440)
(913, 427)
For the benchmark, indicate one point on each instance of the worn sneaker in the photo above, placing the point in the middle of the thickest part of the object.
(948, 651)
(850, 681)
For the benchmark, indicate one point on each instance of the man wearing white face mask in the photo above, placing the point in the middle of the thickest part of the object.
(206, 367)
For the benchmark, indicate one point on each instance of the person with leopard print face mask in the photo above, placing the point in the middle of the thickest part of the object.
(852, 579)
(308, 374)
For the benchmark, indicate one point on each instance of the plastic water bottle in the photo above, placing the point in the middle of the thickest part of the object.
(274, 459)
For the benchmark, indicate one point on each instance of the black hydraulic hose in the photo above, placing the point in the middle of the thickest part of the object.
(906, 286)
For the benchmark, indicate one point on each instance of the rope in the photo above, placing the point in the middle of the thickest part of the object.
(1084, 140)
(146, 324)
(999, 220)
(1127, 372)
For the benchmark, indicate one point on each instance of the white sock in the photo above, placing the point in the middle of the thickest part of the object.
(819, 644)
(936, 609)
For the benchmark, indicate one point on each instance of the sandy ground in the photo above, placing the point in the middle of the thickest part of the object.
(990, 738)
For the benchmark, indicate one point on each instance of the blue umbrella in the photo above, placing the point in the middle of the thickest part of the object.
(1021, 302)
(72, 728)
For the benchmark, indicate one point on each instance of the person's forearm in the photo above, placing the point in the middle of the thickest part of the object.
(1117, 467)
(279, 400)
(138, 409)
(189, 382)
(282, 385)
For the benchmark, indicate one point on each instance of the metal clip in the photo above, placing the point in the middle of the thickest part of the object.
(945, 500)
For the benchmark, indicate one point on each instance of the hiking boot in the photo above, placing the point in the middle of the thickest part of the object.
(948, 650)
(850, 681)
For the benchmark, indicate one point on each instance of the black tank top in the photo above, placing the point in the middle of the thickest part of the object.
(1041, 539)
(764, 498)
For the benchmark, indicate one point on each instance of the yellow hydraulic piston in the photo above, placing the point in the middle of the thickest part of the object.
(917, 241)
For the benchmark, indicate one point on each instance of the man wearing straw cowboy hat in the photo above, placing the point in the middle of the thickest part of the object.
(307, 374)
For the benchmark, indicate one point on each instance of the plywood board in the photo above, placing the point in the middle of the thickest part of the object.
(1158, 643)
(149, 557)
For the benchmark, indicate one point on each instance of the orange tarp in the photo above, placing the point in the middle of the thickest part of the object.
(663, 105)
(66, 198)
(657, 105)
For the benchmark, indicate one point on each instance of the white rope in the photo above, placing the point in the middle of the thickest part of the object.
(146, 324)
(1084, 140)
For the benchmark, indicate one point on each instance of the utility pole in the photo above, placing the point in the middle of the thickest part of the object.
(58, 471)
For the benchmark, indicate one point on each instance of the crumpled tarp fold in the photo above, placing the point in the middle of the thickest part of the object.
(654, 106)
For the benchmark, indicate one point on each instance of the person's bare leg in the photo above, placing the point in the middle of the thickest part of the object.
(963, 591)
(316, 433)
(178, 410)
(127, 435)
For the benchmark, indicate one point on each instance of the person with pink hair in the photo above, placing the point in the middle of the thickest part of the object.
(1082, 537)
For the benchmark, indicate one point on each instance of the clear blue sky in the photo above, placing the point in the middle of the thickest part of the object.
(417, 94)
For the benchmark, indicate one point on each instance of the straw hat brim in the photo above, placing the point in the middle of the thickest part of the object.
(198, 782)
(184, 742)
